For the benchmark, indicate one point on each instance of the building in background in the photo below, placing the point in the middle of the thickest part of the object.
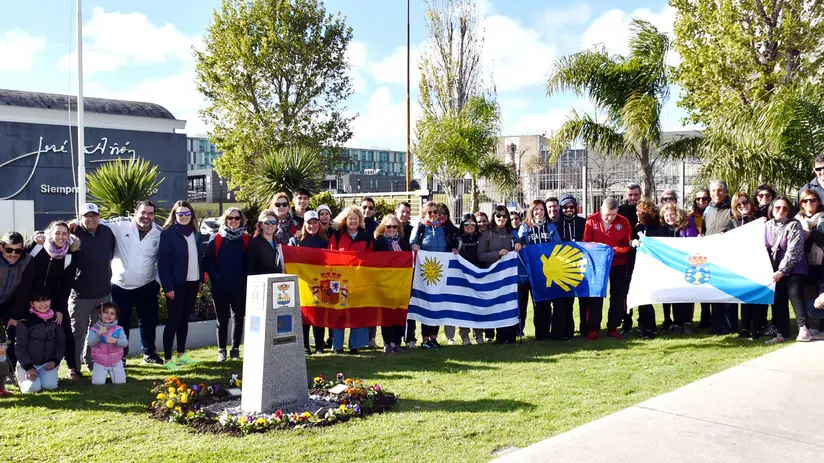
(369, 170)
(38, 146)
(201, 152)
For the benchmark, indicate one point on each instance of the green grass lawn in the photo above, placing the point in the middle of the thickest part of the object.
(459, 403)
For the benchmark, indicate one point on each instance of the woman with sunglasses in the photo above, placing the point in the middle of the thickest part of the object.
(466, 245)
(784, 239)
(764, 194)
(701, 200)
(810, 215)
(262, 257)
(389, 238)
(350, 235)
(536, 229)
(744, 212)
(54, 275)
(179, 266)
(429, 235)
(225, 263)
(312, 235)
(496, 243)
(287, 226)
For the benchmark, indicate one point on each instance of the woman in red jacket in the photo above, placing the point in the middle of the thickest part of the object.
(350, 235)
(607, 227)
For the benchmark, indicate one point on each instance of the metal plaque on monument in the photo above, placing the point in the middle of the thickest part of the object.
(274, 363)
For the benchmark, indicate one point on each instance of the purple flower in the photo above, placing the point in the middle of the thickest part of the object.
(378, 387)
(357, 409)
(340, 376)
(323, 378)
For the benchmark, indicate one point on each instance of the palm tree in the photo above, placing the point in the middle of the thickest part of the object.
(630, 91)
(118, 186)
(772, 140)
(462, 143)
(285, 169)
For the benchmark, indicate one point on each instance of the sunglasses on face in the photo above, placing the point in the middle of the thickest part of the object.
(501, 216)
(233, 217)
(568, 208)
(764, 195)
(819, 169)
(809, 200)
(281, 204)
(780, 208)
(17, 251)
(469, 224)
(702, 198)
(391, 227)
(270, 222)
(368, 208)
(667, 198)
(184, 214)
(743, 203)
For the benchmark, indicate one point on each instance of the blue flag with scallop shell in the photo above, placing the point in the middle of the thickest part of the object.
(568, 269)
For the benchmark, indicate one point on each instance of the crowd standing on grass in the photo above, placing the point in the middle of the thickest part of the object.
(63, 292)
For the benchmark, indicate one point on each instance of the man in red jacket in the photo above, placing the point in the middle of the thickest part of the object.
(607, 227)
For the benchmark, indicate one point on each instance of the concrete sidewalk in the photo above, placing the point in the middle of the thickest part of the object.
(765, 410)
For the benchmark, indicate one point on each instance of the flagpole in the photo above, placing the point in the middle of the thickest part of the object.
(81, 138)
(408, 103)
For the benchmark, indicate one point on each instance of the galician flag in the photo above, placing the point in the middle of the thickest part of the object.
(732, 267)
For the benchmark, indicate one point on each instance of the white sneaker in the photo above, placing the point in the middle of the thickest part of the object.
(411, 345)
(804, 335)
(451, 342)
(776, 340)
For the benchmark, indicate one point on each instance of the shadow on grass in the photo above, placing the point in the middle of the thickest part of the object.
(474, 406)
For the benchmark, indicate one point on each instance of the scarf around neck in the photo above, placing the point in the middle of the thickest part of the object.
(185, 229)
(43, 316)
(230, 235)
(55, 252)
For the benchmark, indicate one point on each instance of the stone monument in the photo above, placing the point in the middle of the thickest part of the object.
(274, 363)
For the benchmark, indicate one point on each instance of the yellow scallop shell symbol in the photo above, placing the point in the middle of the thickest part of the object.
(565, 267)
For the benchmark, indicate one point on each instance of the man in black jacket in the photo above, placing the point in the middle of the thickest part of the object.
(629, 212)
(92, 285)
(571, 228)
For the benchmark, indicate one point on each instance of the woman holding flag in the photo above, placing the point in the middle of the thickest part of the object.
(785, 244)
(350, 235)
(536, 229)
(466, 245)
(429, 235)
(496, 243)
(755, 315)
(677, 223)
(388, 237)
(312, 235)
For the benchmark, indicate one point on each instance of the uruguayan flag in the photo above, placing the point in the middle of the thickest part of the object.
(731, 267)
(448, 290)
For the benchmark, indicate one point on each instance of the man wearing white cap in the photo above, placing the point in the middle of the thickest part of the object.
(92, 285)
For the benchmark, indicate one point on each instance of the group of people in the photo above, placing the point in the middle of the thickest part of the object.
(63, 292)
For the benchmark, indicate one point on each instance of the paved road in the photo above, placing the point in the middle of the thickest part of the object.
(768, 409)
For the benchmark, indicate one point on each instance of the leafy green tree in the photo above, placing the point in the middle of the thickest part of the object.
(457, 134)
(274, 74)
(630, 92)
(738, 52)
(117, 186)
(285, 169)
(327, 199)
(769, 141)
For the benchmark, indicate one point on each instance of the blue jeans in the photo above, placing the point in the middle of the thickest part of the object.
(358, 337)
(145, 299)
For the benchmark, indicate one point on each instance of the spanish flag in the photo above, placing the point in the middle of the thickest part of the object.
(347, 289)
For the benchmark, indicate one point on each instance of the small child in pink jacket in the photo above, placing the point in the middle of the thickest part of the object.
(107, 341)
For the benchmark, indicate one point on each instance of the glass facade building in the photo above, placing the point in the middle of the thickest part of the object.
(375, 161)
(200, 153)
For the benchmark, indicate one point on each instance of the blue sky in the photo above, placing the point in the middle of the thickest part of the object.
(140, 50)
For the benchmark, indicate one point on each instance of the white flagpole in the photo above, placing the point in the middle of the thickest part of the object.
(81, 139)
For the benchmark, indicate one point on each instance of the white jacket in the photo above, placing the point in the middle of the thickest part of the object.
(135, 260)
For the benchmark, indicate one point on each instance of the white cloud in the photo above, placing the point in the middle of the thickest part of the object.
(382, 122)
(392, 69)
(515, 54)
(112, 40)
(571, 15)
(611, 29)
(19, 50)
(356, 56)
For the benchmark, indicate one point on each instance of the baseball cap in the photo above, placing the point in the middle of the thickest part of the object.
(310, 215)
(89, 207)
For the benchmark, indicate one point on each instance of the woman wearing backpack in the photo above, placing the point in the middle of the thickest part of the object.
(225, 263)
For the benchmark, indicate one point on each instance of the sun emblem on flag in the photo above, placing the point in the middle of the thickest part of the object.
(431, 271)
(565, 267)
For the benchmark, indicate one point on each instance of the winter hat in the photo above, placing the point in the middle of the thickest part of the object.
(566, 199)
(324, 207)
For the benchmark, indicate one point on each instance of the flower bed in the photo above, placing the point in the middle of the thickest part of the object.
(178, 402)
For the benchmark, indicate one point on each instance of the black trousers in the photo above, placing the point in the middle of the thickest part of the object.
(429, 330)
(392, 334)
(542, 312)
(706, 315)
(373, 331)
(646, 317)
(682, 313)
(562, 322)
(146, 300)
(754, 318)
(180, 309)
(667, 312)
(789, 289)
(226, 304)
(593, 307)
(411, 327)
(317, 332)
(724, 318)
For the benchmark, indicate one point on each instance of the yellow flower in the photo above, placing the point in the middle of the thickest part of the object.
(161, 396)
(306, 415)
(241, 420)
(172, 390)
(238, 383)
(261, 422)
(172, 396)
(190, 415)
(170, 403)
(343, 407)
(184, 399)
(178, 409)
(181, 389)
